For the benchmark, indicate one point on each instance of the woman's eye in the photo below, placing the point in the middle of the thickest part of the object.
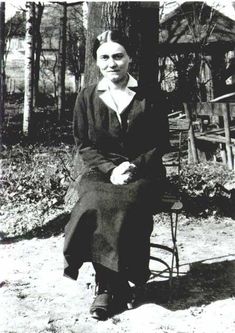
(104, 57)
(118, 56)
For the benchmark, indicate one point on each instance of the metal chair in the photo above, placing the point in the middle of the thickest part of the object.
(171, 202)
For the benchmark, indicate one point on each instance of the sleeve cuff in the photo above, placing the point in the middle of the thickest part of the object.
(107, 167)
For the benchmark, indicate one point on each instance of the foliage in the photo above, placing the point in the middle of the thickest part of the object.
(40, 175)
(199, 184)
(35, 174)
(45, 128)
(15, 27)
(33, 185)
(199, 179)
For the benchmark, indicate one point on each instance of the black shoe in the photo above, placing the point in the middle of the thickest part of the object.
(123, 297)
(100, 308)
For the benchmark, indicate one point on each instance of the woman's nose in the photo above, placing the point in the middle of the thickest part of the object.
(111, 62)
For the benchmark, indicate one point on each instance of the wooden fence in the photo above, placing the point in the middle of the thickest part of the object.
(222, 135)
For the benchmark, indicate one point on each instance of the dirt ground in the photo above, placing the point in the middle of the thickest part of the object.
(35, 297)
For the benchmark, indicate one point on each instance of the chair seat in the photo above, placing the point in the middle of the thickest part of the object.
(177, 206)
(171, 203)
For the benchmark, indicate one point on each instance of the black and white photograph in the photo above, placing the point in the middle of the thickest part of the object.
(117, 166)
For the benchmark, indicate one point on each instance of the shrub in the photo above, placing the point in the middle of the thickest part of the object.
(35, 174)
(199, 187)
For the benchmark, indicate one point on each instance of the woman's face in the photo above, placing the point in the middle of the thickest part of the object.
(113, 61)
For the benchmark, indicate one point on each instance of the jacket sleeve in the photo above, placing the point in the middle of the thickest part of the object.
(157, 140)
(90, 155)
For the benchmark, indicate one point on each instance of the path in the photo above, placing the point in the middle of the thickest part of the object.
(35, 297)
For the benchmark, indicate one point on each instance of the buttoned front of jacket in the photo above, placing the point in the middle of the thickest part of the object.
(103, 143)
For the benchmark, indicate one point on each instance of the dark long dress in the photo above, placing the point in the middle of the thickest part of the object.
(111, 224)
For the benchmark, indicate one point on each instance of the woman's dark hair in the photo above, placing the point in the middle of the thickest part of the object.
(111, 36)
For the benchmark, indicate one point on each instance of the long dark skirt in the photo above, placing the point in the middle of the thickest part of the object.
(111, 225)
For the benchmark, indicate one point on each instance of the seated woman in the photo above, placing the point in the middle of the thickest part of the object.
(121, 133)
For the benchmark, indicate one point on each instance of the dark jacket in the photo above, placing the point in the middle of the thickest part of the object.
(103, 143)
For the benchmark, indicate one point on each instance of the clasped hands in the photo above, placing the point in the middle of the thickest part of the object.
(123, 173)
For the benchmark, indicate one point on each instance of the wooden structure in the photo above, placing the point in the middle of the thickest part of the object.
(197, 39)
(220, 132)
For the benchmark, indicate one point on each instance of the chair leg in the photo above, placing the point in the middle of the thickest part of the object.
(174, 216)
(175, 255)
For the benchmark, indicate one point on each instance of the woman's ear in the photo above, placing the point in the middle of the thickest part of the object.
(130, 60)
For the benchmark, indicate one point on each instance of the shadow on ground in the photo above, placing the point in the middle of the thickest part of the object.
(53, 228)
(201, 285)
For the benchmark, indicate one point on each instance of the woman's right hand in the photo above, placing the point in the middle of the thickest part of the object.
(123, 173)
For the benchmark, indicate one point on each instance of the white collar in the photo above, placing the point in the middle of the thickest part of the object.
(103, 83)
(125, 99)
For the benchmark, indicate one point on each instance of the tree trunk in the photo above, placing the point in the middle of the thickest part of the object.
(29, 67)
(62, 66)
(2, 67)
(149, 32)
(93, 29)
(38, 49)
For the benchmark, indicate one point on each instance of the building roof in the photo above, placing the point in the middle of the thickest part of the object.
(196, 22)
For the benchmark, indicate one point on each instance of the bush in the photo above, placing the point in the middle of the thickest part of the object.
(35, 174)
(199, 185)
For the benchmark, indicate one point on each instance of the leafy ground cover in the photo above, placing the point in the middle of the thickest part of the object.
(204, 189)
(36, 176)
(34, 182)
(35, 172)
